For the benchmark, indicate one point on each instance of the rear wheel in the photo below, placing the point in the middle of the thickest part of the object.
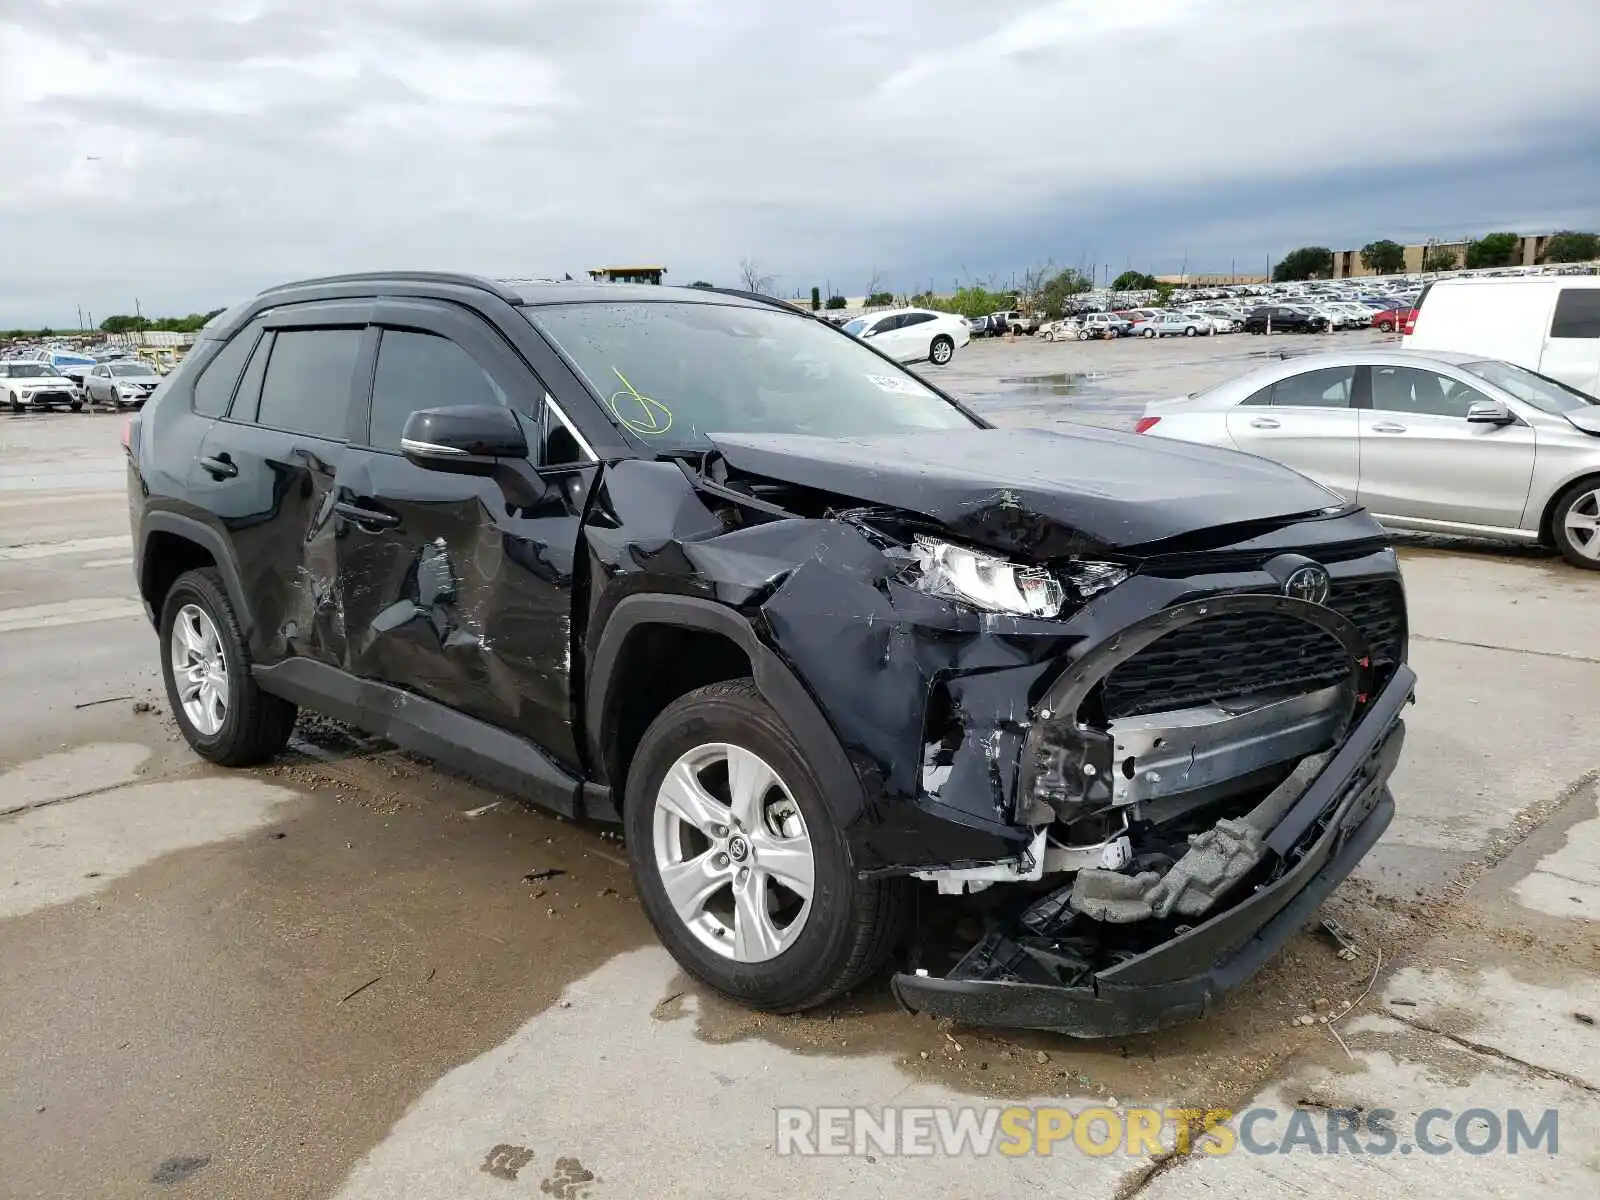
(941, 351)
(740, 866)
(1083, 335)
(220, 710)
(1190, 331)
(1386, 326)
(1575, 525)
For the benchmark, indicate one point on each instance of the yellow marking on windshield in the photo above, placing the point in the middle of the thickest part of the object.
(651, 411)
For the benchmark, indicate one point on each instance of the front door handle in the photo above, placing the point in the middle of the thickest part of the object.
(368, 518)
(1263, 423)
(219, 466)
(1388, 427)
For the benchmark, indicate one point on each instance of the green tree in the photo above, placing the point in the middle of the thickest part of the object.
(1164, 293)
(1569, 246)
(1133, 281)
(702, 283)
(816, 298)
(1440, 258)
(1059, 289)
(1383, 257)
(120, 323)
(836, 302)
(880, 299)
(1492, 250)
(1308, 262)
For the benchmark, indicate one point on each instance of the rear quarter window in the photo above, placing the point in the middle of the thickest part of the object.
(213, 388)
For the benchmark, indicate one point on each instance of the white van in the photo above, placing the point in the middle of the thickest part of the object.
(1547, 324)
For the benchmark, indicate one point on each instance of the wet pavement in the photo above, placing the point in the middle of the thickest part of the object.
(330, 976)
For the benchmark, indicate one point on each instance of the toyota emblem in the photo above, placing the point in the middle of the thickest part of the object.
(1309, 584)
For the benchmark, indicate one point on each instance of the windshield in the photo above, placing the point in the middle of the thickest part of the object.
(1544, 394)
(670, 374)
(129, 368)
(28, 370)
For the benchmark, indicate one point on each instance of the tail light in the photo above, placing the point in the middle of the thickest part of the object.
(1408, 326)
(130, 436)
(1146, 424)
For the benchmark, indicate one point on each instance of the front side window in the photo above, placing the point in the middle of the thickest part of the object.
(1577, 314)
(307, 385)
(1413, 390)
(423, 370)
(1329, 387)
(671, 374)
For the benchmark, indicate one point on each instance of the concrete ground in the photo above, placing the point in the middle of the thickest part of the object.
(330, 977)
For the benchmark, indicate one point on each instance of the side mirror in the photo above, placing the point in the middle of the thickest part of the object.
(471, 440)
(1489, 412)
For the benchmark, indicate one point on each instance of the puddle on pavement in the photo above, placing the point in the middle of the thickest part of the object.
(1057, 383)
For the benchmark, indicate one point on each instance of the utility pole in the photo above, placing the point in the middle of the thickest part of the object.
(80, 318)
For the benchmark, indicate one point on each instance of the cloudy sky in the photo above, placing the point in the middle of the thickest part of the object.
(193, 151)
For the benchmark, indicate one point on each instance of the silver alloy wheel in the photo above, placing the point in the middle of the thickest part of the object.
(199, 670)
(941, 352)
(733, 853)
(1583, 524)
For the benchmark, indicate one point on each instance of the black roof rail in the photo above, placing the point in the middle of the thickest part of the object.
(447, 277)
(759, 296)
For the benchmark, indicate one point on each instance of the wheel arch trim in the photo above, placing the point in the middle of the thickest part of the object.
(207, 539)
(842, 790)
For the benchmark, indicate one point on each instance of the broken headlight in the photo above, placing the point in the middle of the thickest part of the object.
(998, 585)
(984, 581)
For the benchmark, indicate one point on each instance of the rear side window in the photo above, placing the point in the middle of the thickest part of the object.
(1577, 314)
(1328, 388)
(307, 384)
(214, 388)
(423, 370)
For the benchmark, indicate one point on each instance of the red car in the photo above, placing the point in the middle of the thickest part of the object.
(1391, 319)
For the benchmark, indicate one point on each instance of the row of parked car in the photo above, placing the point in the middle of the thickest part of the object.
(56, 379)
(1300, 316)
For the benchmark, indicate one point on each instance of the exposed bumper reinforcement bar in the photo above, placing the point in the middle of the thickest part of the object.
(1343, 813)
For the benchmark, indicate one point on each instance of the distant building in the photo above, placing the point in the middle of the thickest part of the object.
(1210, 281)
(1347, 264)
(627, 274)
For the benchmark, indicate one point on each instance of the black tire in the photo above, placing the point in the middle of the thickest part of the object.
(1386, 326)
(1190, 331)
(257, 725)
(1083, 335)
(941, 350)
(853, 925)
(1572, 551)
(76, 406)
(1149, 333)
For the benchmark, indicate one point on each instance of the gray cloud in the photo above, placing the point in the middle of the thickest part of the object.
(215, 147)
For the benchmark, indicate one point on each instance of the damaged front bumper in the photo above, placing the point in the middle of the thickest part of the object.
(1318, 842)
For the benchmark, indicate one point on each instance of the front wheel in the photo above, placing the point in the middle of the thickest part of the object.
(941, 351)
(1386, 326)
(1190, 331)
(1575, 525)
(740, 866)
(221, 712)
(1149, 333)
(1083, 335)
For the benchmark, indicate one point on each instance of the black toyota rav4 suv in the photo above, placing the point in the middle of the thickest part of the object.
(810, 629)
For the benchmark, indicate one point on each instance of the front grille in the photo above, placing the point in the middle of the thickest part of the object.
(1240, 654)
(52, 398)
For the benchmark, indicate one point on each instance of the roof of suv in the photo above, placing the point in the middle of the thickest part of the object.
(531, 292)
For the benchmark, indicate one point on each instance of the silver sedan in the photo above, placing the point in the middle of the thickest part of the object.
(1434, 442)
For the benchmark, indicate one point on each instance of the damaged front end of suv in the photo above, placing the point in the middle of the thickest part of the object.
(1150, 713)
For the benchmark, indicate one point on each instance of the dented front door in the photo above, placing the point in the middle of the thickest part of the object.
(450, 590)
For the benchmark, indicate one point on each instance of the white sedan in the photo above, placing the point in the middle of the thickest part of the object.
(1435, 442)
(913, 334)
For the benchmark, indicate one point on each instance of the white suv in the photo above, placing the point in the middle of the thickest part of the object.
(28, 384)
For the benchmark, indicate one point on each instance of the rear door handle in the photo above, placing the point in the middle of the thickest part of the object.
(366, 517)
(1388, 427)
(219, 466)
(1263, 423)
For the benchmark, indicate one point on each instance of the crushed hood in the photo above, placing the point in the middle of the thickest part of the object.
(1041, 493)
